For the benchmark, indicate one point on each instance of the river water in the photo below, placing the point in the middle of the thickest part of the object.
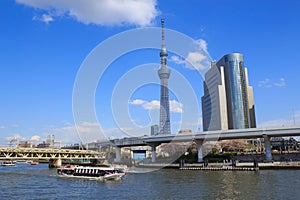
(39, 182)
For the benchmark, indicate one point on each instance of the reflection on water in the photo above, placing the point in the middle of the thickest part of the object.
(38, 182)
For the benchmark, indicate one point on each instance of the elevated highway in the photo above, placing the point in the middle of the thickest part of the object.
(225, 135)
(201, 137)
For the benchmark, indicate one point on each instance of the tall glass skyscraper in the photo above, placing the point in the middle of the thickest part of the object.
(164, 74)
(228, 99)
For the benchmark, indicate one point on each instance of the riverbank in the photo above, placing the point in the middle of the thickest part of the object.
(262, 166)
(273, 165)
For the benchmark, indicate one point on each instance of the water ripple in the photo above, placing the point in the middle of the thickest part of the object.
(42, 183)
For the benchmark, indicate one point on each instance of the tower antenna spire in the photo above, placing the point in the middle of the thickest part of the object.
(163, 31)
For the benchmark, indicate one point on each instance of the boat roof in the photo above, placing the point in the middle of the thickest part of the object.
(90, 167)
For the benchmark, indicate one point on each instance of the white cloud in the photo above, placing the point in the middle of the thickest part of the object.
(202, 45)
(35, 138)
(197, 123)
(46, 18)
(281, 83)
(84, 127)
(113, 133)
(87, 127)
(137, 102)
(152, 105)
(90, 132)
(175, 106)
(100, 12)
(267, 83)
(73, 133)
(293, 119)
(197, 59)
(177, 60)
(1, 127)
(275, 123)
(15, 138)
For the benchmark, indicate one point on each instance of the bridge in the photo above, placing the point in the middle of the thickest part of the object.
(202, 137)
(51, 155)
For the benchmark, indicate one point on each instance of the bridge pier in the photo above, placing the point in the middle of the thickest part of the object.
(268, 147)
(55, 163)
(118, 155)
(153, 153)
(200, 153)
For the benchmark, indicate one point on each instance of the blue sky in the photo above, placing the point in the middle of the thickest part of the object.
(44, 44)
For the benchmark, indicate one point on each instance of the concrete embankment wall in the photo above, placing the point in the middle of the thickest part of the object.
(262, 157)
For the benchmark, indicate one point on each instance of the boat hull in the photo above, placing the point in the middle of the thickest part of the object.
(7, 163)
(91, 173)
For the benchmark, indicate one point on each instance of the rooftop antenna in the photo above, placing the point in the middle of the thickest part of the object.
(294, 117)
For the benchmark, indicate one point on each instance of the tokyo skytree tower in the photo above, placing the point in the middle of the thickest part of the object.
(164, 74)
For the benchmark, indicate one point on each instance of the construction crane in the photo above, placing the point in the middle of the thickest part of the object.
(12, 140)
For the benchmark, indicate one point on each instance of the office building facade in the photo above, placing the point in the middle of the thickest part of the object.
(228, 101)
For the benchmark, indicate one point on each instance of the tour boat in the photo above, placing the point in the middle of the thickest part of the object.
(96, 173)
(30, 162)
(7, 163)
(21, 161)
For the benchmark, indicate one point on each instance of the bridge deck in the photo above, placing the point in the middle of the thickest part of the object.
(41, 153)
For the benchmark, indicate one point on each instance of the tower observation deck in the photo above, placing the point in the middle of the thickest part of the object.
(164, 74)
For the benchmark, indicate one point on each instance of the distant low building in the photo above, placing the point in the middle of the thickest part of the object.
(282, 144)
(92, 146)
(50, 140)
(43, 145)
(185, 131)
(26, 144)
(154, 129)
